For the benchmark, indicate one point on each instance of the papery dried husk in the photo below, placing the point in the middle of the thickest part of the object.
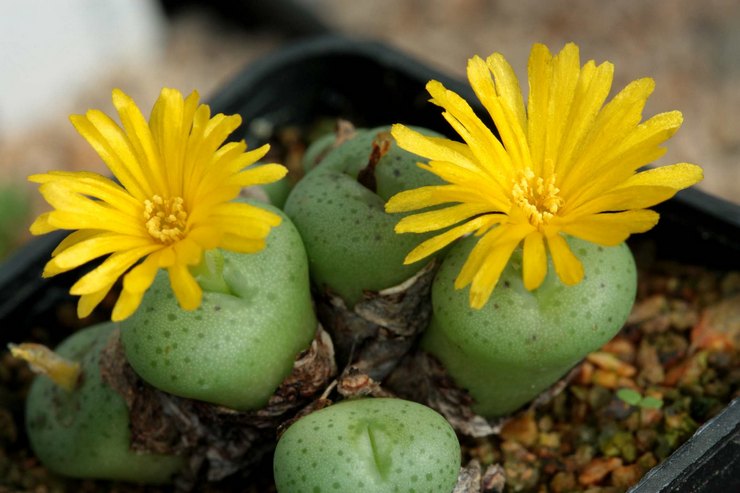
(352, 383)
(380, 329)
(472, 479)
(422, 377)
(216, 440)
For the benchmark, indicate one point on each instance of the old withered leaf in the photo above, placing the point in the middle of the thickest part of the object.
(421, 377)
(382, 327)
(217, 441)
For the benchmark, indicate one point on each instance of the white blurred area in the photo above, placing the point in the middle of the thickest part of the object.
(64, 56)
(52, 50)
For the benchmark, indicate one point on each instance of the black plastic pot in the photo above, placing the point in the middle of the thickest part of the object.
(371, 84)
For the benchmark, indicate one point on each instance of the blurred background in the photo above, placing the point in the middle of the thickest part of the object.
(64, 56)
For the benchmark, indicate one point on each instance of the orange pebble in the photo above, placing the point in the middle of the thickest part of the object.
(597, 469)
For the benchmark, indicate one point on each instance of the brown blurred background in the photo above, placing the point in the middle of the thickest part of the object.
(690, 48)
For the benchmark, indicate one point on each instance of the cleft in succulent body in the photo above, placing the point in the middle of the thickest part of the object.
(371, 445)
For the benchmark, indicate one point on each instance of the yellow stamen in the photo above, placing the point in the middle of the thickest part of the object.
(537, 197)
(166, 219)
(44, 361)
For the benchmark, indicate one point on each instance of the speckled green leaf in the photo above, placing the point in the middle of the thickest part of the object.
(85, 433)
(523, 341)
(368, 445)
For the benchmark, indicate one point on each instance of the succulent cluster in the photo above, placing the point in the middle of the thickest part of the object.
(533, 230)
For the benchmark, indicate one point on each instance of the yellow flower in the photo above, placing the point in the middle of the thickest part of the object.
(565, 165)
(175, 200)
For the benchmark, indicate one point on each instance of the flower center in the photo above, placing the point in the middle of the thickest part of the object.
(537, 197)
(166, 219)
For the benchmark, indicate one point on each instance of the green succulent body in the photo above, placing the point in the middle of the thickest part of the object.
(522, 342)
(369, 445)
(85, 432)
(241, 343)
(350, 239)
(317, 150)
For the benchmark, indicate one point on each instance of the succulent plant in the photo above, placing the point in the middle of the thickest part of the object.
(239, 345)
(523, 341)
(338, 207)
(369, 445)
(84, 432)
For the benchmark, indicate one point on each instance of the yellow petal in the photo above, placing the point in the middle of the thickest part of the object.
(43, 361)
(616, 121)
(207, 236)
(534, 260)
(540, 74)
(186, 289)
(640, 147)
(591, 91)
(620, 199)
(225, 166)
(497, 239)
(422, 197)
(88, 302)
(41, 225)
(487, 276)
(74, 211)
(567, 265)
(92, 185)
(506, 119)
(433, 148)
(477, 256)
(170, 123)
(209, 173)
(489, 153)
(112, 145)
(479, 187)
(612, 228)
(259, 175)
(218, 129)
(203, 205)
(440, 218)
(436, 243)
(74, 238)
(126, 304)
(195, 154)
(141, 277)
(224, 213)
(676, 176)
(566, 70)
(188, 252)
(642, 190)
(141, 139)
(135, 284)
(91, 248)
(241, 226)
(106, 274)
(241, 244)
(454, 173)
(507, 87)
